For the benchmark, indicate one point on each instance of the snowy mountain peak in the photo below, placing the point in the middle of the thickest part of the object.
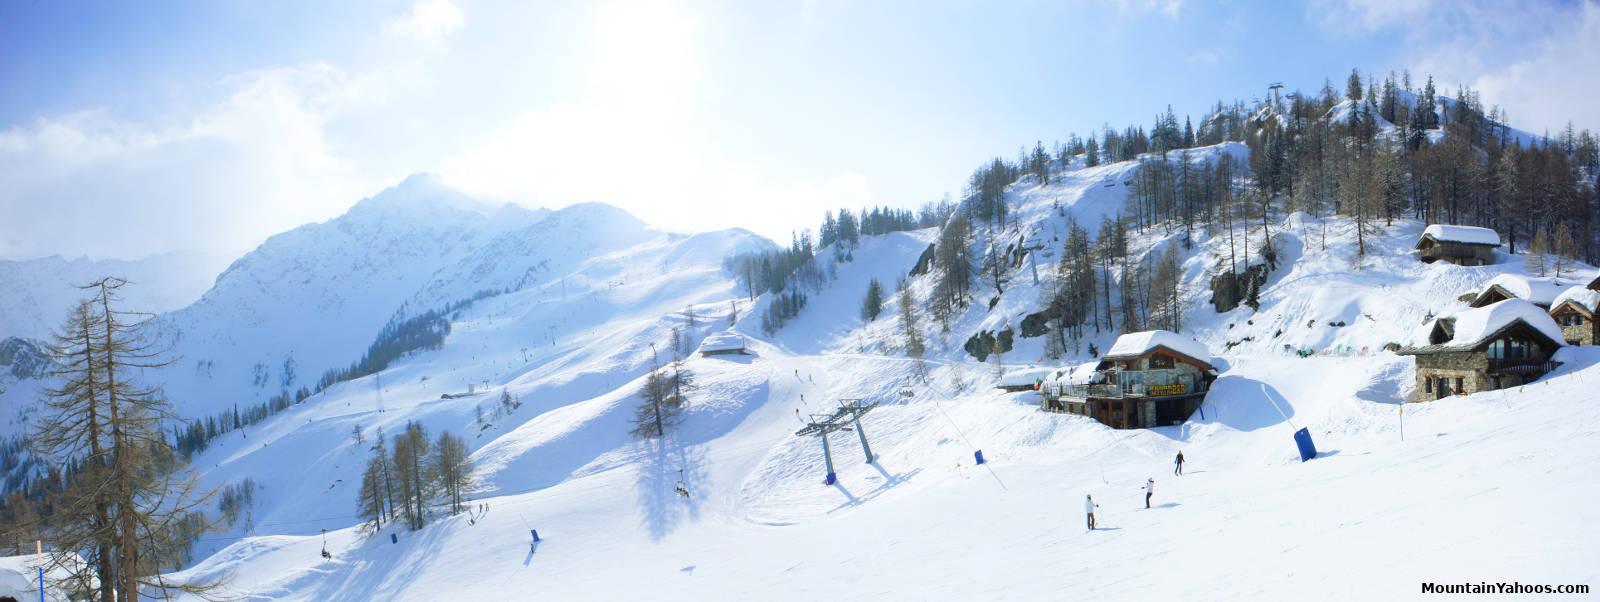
(600, 213)
(422, 196)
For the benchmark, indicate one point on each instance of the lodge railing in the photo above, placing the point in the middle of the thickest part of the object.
(1128, 390)
(1517, 365)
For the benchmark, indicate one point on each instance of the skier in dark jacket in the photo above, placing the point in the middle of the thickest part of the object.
(1178, 470)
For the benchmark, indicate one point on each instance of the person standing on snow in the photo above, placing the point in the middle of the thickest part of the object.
(1149, 490)
(1088, 508)
(1178, 470)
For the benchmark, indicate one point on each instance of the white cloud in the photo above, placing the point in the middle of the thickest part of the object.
(1536, 60)
(642, 159)
(252, 164)
(428, 21)
(642, 48)
(1361, 17)
(1554, 82)
(1165, 8)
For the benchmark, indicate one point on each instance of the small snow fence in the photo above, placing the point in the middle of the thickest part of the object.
(1308, 450)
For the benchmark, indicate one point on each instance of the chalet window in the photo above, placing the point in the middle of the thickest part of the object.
(1459, 385)
(1160, 361)
(1427, 385)
(1508, 349)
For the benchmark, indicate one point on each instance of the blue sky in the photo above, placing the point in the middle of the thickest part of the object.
(128, 129)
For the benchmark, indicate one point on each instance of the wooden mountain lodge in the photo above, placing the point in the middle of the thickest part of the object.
(1147, 379)
(1460, 245)
(1481, 349)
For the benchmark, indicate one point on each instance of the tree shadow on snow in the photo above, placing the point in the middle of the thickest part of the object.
(381, 566)
(661, 506)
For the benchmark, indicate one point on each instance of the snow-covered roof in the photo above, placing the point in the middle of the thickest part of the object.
(1539, 291)
(1471, 327)
(1471, 235)
(1080, 374)
(1594, 285)
(1135, 344)
(1026, 376)
(1583, 297)
(726, 340)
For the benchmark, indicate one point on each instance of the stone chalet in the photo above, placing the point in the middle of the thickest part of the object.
(1481, 349)
(1147, 379)
(1575, 310)
(1460, 245)
(1538, 291)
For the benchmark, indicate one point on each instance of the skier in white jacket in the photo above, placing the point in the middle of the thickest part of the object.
(1088, 508)
(1149, 490)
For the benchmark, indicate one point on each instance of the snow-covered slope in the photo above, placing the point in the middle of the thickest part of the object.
(36, 294)
(1248, 520)
(1481, 487)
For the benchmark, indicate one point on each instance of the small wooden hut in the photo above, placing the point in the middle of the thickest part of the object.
(1460, 245)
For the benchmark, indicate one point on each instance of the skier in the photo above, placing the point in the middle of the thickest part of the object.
(1088, 508)
(1149, 490)
(1178, 470)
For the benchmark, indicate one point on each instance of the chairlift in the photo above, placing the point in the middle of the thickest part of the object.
(325, 553)
(682, 489)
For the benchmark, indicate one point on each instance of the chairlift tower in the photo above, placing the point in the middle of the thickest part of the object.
(852, 410)
(820, 425)
(847, 417)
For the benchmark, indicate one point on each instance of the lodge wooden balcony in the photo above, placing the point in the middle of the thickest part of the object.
(1125, 391)
(1518, 365)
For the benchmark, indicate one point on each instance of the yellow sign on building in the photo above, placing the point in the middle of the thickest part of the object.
(1175, 389)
